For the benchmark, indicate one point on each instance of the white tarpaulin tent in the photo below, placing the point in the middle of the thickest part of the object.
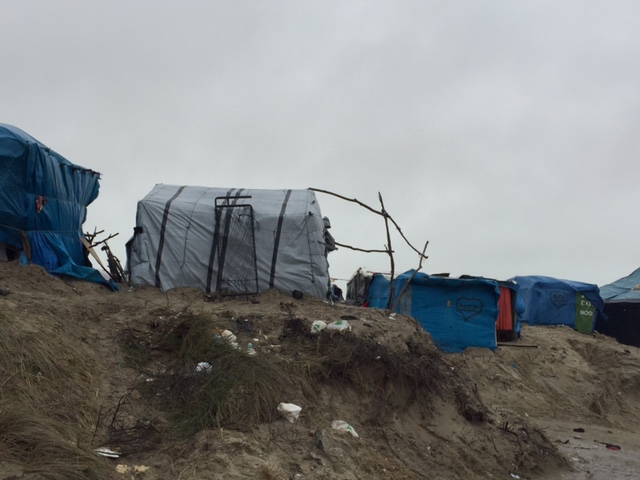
(233, 241)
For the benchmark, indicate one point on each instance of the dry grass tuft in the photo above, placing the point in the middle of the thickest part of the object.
(238, 392)
(394, 379)
(44, 412)
(44, 446)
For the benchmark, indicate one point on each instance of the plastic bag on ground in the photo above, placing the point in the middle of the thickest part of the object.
(340, 326)
(290, 411)
(317, 326)
(344, 427)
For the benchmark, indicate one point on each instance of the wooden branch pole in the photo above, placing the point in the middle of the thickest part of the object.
(406, 284)
(389, 251)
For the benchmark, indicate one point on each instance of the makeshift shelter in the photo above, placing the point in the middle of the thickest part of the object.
(43, 204)
(358, 288)
(552, 301)
(622, 309)
(229, 240)
(457, 312)
(510, 308)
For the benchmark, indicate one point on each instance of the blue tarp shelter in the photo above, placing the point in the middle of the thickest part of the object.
(552, 301)
(458, 313)
(622, 308)
(626, 289)
(43, 204)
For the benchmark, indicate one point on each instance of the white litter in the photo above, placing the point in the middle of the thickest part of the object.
(204, 367)
(343, 427)
(290, 411)
(317, 326)
(107, 452)
(340, 326)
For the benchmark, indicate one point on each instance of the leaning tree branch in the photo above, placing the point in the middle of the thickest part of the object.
(391, 260)
(382, 213)
(406, 284)
(354, 200)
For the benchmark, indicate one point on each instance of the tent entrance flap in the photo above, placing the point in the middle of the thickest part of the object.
(236, 247)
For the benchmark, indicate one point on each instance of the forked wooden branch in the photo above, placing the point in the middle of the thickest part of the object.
(382, 213)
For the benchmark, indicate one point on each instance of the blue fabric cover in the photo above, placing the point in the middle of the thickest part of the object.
(626, 289)
(458, 313)
(45, 196)
(552, 301)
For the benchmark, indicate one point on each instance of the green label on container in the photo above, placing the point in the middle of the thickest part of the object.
(585, 314)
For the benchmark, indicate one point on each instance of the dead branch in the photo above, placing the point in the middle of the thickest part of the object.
(382, 213)
(361, 249)
(354, 200)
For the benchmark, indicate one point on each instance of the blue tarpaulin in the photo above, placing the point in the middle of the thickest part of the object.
(43, 204)
(626, 289)
(458, 313)
(552, 301)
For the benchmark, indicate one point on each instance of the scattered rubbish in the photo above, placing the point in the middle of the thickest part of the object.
(579, 430)
(348, 317)
(339, 326)
(317, 326)
(514, 365)
(107, 452)
(392, 316)
(297, 294)
(226, 336)
(343, 427)
(122, 468)
(290, 411)
(4, 291)
(368, 323)
(609, 446)
(204, 367)
(250, 350)
(515, 475)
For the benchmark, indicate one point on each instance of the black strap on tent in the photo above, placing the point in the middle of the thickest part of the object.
(212, 254)
(165, 219)
(276, 242)
(225, 239)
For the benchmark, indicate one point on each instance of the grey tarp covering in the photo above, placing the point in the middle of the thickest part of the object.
(174, 244)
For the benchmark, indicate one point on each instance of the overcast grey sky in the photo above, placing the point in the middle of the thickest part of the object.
(503, 132)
